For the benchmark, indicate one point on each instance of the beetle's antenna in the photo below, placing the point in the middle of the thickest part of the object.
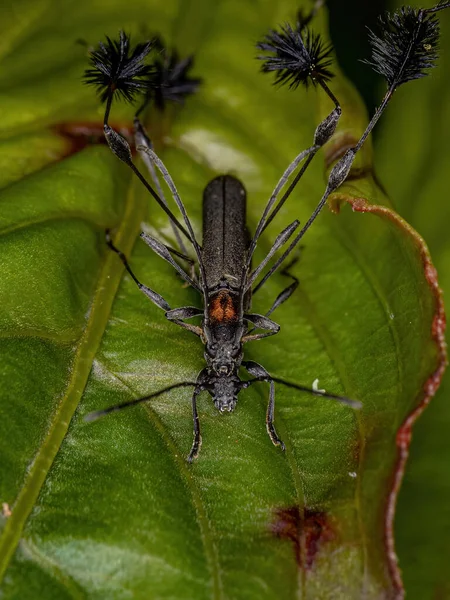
(341, 399)
(169, 181)
(170, 79)
(142, 139)
(170, 82)
(119, 71)
(297, 56)
(404, 51)
(93, 416)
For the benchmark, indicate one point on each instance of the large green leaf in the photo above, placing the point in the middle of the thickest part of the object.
(111, 509)
(416, 132)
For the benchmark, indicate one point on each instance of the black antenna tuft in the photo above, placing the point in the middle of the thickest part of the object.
(170, 79)
(298, 56)
(119, 70)
(407, 45)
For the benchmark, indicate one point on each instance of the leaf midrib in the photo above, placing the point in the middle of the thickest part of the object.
(185, 472)
(87, 347)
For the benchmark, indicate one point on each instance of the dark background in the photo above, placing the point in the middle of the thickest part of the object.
(355, 16)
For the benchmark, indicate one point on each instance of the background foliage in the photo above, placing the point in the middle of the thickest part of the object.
(415, 131)
(111, 509)
(419, 122)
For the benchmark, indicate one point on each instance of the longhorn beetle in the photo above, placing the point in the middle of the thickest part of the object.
(405, 48)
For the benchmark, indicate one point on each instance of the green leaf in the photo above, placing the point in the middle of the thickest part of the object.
(112, 509)
(423, 154)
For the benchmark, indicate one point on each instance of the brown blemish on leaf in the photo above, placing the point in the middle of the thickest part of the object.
(307, 529)
(78, 135)
(431, 385)
(355, 450)
(6, 510)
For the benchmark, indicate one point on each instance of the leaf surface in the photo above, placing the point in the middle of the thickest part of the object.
(112, 509)
(423, 154)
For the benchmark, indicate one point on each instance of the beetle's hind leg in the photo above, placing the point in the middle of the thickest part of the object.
(260, 372)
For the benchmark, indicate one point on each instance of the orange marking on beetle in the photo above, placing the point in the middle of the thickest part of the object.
(222, 308)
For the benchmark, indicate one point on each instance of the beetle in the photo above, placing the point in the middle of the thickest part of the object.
(225, 278)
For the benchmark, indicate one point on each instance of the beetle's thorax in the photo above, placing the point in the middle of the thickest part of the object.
(223, 327)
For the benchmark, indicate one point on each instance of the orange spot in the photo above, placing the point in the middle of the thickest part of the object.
(222, 308)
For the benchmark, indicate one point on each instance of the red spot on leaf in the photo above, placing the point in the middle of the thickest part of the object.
(78, 135)
(307, 529)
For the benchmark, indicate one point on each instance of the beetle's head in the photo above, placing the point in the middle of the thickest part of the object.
(224, 393)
